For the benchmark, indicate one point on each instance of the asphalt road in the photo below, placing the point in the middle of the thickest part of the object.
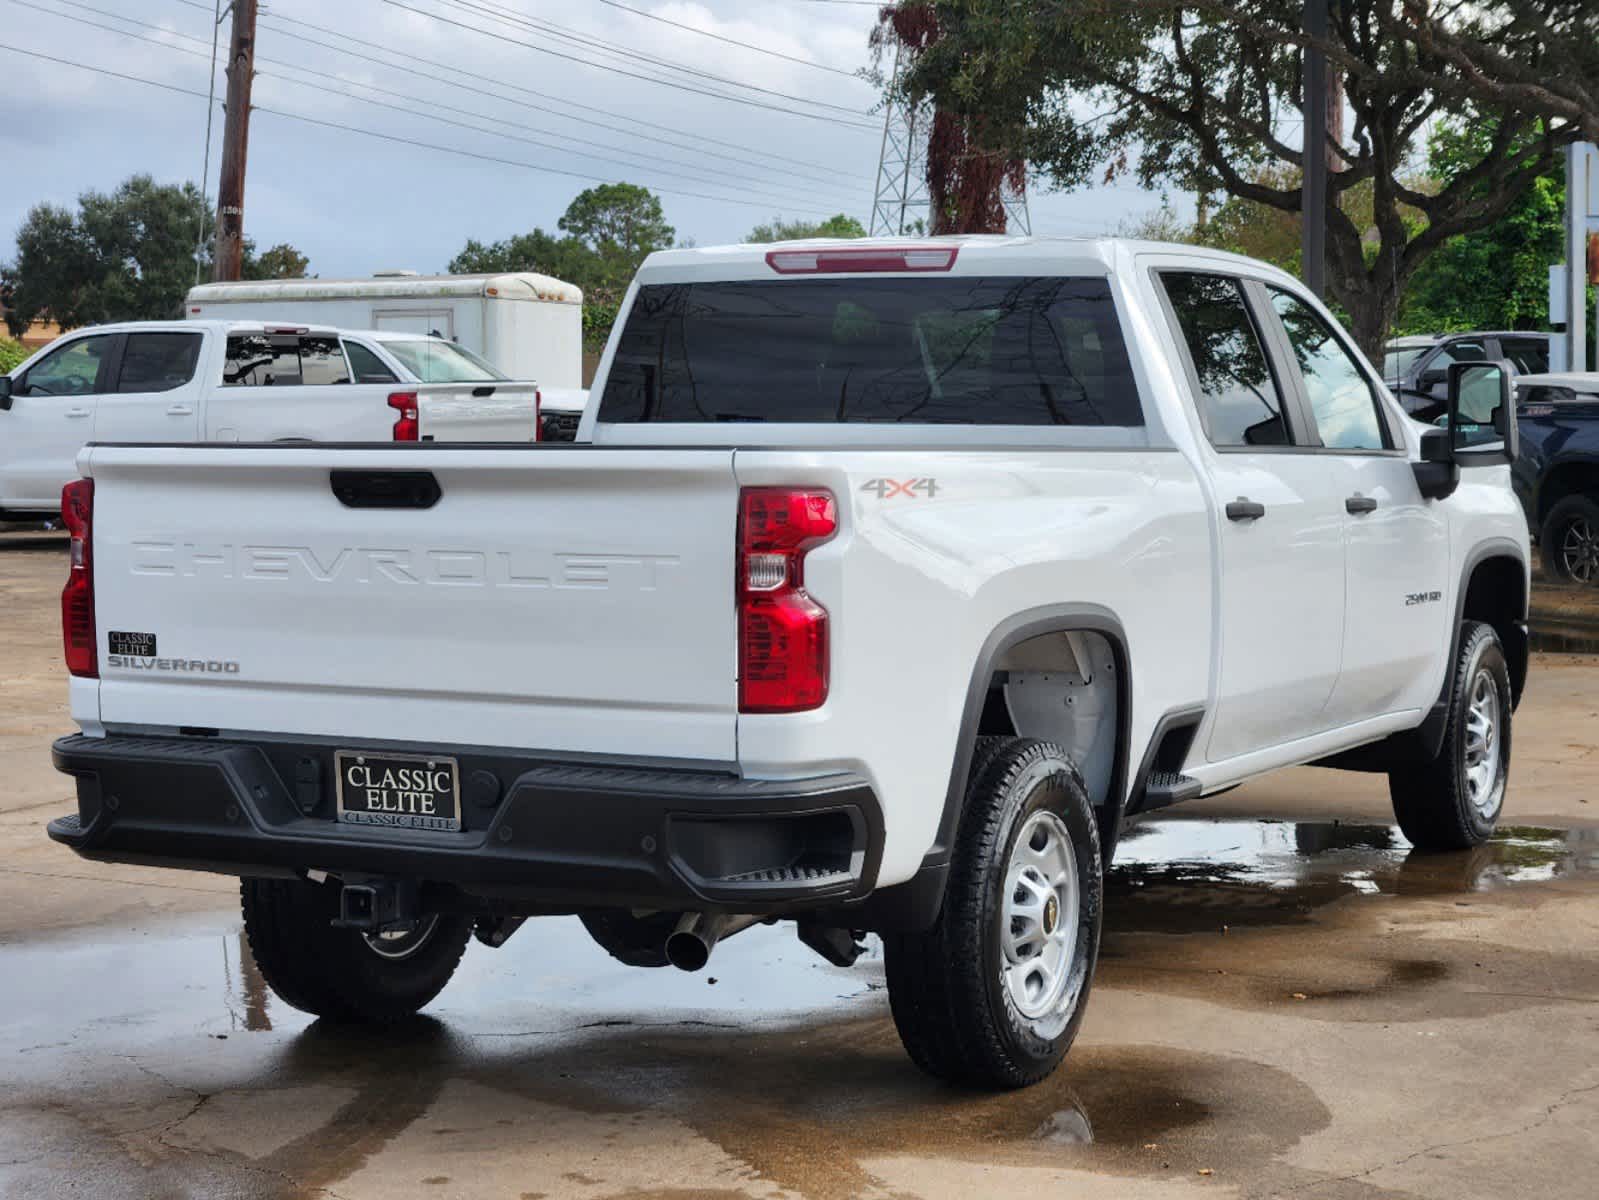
(1289, 1002)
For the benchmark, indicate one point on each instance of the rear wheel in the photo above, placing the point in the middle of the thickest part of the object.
(343, 974)
(1569, 541)
(1453, 802)
(993, 993)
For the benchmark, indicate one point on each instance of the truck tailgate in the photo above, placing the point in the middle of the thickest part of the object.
(477, 412)
(553, 599)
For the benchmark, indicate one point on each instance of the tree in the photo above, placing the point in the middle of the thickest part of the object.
(619, 218)
(609, 231)
(1493, 278)
(778, 230)
(126, 255)
(282, 261)
(1196, 95)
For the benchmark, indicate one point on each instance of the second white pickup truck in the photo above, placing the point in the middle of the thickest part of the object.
(240, 381)
(891, 581)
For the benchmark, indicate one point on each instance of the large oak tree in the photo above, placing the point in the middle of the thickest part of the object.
(1206, 96)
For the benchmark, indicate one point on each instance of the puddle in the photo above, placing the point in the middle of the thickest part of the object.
(176, 1070)
(1186, 874)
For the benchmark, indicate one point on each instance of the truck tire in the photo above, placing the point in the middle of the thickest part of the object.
(1453, 802)
(633, 941)
(342, 974)
(1569, 541)
(992, 994)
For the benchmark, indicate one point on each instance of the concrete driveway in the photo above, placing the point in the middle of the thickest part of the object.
(1289, 1002)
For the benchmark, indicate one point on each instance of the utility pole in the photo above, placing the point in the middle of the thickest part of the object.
(1314, 247)
(235, 144)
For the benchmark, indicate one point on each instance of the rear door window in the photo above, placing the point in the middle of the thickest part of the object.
(1530, 356)
(1239, 396)
(368, 367)
(963, 350)
(322, 362)
(158, 362)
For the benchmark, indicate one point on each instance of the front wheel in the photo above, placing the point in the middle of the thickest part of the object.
(1569, 541)
(993, 993)
(343, 974)
(1453, 802)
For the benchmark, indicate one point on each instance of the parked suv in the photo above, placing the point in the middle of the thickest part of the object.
(896, 579)
(1416, 368)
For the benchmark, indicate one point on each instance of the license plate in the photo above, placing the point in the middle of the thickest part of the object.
(405, 791)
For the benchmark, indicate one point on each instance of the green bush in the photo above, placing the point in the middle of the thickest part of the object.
(11, 355)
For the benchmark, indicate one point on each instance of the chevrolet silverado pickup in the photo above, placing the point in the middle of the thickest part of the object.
(884, 583)
(240, 381)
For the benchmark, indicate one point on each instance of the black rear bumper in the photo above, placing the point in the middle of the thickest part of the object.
(537, 835)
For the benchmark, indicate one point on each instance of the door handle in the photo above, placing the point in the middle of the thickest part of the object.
(1360, 505)
(180, 410)
(76, 413)
(1245, 509)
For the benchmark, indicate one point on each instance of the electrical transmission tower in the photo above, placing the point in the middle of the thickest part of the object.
(901, 206)
(1017, 218)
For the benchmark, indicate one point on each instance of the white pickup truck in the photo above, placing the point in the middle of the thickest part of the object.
(238, 381)
(890, 582)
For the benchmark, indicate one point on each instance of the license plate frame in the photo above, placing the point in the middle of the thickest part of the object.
(413, 808)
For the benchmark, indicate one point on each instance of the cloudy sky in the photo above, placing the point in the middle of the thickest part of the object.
(537, 99)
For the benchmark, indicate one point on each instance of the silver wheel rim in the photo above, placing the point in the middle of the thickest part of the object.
(1039, 918)
(1579, 551)
(1482, 744)
(396, 944)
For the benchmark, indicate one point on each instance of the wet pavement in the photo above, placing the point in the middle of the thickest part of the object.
(1240, 956)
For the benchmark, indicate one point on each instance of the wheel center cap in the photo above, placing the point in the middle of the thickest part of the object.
(1051, 914)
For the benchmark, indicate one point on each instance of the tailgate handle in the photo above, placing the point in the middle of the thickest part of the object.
(385, 489)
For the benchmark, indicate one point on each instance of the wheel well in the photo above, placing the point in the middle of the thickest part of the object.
(1568, 479)
(1496, 593)
(1067, 687)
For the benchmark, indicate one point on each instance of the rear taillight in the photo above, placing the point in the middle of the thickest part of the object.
(406, 428)
(77, 598)
(782, 632)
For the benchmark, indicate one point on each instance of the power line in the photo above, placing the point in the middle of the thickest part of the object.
(510, 16)
(743, 158)
(680, 86)
(378, 134)
(400, 108)
(793, 58)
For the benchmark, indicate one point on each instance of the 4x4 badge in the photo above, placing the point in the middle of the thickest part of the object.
(887, 489)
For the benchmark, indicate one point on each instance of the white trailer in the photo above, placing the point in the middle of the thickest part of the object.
(530, 326)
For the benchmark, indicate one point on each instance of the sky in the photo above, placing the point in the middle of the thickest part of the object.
(490, 124)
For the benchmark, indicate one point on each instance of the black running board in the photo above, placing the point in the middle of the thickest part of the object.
(1167, 787)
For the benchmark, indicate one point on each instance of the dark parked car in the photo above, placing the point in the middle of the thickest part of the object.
(1417, 368)
(1557, 475)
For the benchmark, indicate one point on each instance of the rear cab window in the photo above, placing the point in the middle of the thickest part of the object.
(284, 360)
(966, 350)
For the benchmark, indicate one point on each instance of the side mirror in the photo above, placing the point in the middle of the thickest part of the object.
(1437, 476)
(1482, 414)
(1430, 381)
(5, 393)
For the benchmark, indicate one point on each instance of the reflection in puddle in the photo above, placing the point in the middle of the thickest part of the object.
(1067, 1127)
(1179, 874)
